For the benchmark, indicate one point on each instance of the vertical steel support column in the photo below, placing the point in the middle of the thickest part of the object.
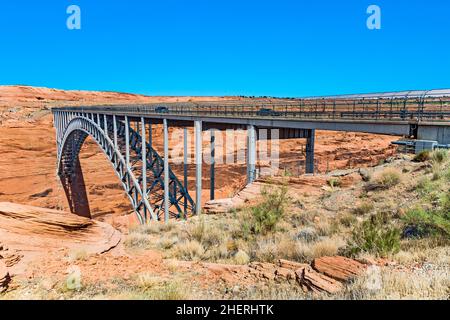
(127, 142)
(115, 131)
(60, 127)
(166, 171)
(213, 163)
(144, 165)
(105, 120)
(310, 151)
(150, 142)
(185, 167)
(56, 124)
(251, 154)
(198, 166)
(106, 124)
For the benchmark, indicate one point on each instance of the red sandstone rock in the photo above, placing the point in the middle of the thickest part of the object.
(9, 257)
(339, 268)
(283, 274)
(291, 264)
(31, 231)
(313, 281)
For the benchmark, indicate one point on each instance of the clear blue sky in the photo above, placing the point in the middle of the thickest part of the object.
(226, 47)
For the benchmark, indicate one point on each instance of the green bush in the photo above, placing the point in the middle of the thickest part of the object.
(388, 178)
(435, 222)
(375, 236)
(422, 156)
(266, 215)
(334, 182)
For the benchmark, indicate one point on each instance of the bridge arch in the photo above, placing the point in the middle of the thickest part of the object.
(146, 200)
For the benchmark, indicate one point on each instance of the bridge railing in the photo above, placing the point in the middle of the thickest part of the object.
(415, 109)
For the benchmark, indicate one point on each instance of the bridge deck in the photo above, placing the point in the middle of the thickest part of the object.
(393, 115)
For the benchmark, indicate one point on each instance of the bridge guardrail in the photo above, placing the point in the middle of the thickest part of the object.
(381, 109)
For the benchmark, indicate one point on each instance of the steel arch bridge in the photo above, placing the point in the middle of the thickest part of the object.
(139, 167)
(124, 133)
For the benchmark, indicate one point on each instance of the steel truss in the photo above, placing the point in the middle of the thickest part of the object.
(140, 169)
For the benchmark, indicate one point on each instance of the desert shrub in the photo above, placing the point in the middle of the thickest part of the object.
(78, 255)
(347, 220)
(241, 257)
(303, 218)
(435, 222)
(265, 250)
(197, 230)
(287, 248)
(388, 178)
(437, 172)
(363, 208)
(424, 186)
(324, 227)
(268, 213)
(334, 182)
(306, 252)
(168, 291)
(207, 234)
(326, 247)
(167, 242)
(153, 228)
(189, 250)
(216, 253)
(147, 280)
(445, 203)
(307, 235)
(387, 284)
(447, 174)
(73, 280)
(422, 156)
(375, 235)
(137, 241)
(439, 155)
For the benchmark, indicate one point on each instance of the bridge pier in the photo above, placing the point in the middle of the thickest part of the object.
(198, 166)
(310, 141)
(127, 142)
(150, 141)
(166, 171)
(213, 163)
(144, 166)
(185, 166)
(251, 154)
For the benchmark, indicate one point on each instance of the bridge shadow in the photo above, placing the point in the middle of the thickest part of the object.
(75, 189)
